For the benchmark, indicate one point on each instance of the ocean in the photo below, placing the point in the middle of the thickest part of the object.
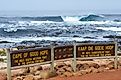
(42, 30)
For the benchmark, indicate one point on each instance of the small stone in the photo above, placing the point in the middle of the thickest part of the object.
(60, 64)
(35, 68)
(47, 74)
(37, 77)
(62, 76)
(95, 65)
(68, 74)
(69, 69)
(110, 66)
(61, 70)
(59, 73)
(78, 66)
(18, 78)
(44, 74)
(77, 73)
(101, 69)
(37, 72)
(3, 76)
(19, 72)
(29, 77)
(103, 65)
(107, 68)
(84, 66)
(95, 71)
(83, 72)
(88, 70)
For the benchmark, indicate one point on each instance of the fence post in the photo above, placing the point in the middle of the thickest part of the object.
(52, 58)
(8, 64)
(116, 56)
(74, 59)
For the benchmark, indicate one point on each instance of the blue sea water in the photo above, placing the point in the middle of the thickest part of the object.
(43, 29)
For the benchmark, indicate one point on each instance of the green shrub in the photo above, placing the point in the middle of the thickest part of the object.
(2, 53)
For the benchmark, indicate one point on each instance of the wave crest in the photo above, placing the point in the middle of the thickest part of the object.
(93, 17)
(70, 18)
(46, 18)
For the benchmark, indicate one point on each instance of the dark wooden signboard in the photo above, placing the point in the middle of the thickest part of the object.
(95, 50)
(63, 52)
(30, 56)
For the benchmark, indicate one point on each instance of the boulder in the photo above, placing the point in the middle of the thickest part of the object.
(59, 73)
(110, 65)
(78, 73)
(62, 70)
(119, 63)
(69, 69)
(92, 69)
(84, 66)
(37, 73)
(83, 72)
(45, 67)
(78, 66)
(119, 67)
(68, 74)
(18, 78)
(19, 72)
(95, 65)
(29, 77)
(89, 70)
(47, 74)
(37, 77)
(103, 65)
(101, 69)
(68, 63)
(35, 68)
(60, 64)
(95, 70)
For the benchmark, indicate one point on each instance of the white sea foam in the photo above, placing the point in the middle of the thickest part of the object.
(118, 29)
(70, 18)
(107, 23)
(40, 22)
(51, 39)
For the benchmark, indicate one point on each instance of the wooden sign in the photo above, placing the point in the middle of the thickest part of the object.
(95, 50)
(26, 57)
(63, 52)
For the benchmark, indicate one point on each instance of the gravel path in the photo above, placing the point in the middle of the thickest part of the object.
(109, 75)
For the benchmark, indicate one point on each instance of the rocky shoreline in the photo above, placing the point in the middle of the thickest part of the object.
(62, 69)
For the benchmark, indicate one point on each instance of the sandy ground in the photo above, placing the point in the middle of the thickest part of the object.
(109, 75)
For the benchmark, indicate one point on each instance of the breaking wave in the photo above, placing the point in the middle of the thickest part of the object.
(93, 17)
(48, 18)
(71, 18)
(59, 28)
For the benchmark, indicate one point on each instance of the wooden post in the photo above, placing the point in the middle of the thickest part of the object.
(8, 64)
(52, 58)
(74, 59)
(116, 57)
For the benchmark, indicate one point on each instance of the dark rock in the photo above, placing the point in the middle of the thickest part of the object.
(92, 18)
(95, 65)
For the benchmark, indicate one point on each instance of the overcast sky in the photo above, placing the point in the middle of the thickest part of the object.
(61, 5)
